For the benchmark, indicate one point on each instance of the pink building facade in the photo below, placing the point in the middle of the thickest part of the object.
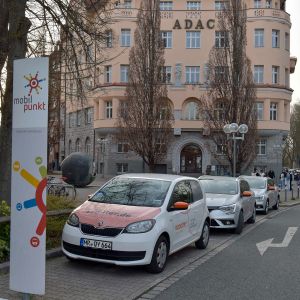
(189, 31)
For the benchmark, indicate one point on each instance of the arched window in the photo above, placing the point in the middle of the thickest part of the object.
(77, 145)
(88, 145)
(70, 146)
(192, 111)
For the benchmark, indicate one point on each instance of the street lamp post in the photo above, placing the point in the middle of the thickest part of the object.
(231, 131)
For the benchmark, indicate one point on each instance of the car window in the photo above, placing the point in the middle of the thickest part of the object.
(220, 186)
(182, 192)
(256, 182)
(133, 191)
(244, 186)
(197, 191)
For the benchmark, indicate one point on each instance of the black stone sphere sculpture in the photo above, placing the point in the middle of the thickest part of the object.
(77, 169)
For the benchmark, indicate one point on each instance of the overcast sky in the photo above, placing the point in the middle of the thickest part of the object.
(293, 8)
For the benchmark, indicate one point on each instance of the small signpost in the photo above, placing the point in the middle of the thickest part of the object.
(29, 176)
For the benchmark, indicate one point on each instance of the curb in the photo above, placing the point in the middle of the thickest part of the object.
(4, 267)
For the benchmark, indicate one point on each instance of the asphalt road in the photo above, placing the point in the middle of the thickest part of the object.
(241, 272)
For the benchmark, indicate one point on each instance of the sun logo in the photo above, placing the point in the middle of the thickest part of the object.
(34, 83)
(38, 200)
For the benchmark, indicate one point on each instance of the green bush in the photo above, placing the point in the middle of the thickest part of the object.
(4, 233)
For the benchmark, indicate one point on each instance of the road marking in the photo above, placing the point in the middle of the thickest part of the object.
(263, 246)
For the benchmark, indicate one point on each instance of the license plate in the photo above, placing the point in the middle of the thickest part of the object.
(95, 244)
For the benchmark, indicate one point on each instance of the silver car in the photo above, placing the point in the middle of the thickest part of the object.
(266, 192)
(230, 202)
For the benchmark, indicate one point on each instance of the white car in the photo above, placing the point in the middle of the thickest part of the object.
(138, 219)
(265, 191)
(230, 202)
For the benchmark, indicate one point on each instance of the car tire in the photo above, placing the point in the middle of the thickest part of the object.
(159, 256)
(253, 217)
(240, 224)
(276, 206)
(266, 210)
(204, 238)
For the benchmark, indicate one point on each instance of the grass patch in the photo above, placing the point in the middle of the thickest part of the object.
(55, 226)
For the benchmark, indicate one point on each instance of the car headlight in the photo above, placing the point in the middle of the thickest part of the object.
(73, 220)
(260, 198)
(228, 209)
(140, 227)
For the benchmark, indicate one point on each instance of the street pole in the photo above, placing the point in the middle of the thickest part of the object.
(234, 155)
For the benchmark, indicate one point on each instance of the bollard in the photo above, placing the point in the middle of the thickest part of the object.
(292, 195)
(298, 193)
(285, 195)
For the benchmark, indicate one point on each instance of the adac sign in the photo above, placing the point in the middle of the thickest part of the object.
(192, 24)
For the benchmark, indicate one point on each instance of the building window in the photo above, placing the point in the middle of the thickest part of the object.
(77, 145)
(258, 74)
(221, 73)
(221, 146)
(219, 112)
(70, 146)
(287, 41)
(124, 73)
(261, 147)
(108, 74)
(167, 38)
(127, 3)
(221, 39)
(259, 38)
(268, 3)
(193, 5)
(259, 111)
(88, 145)
(166, 74)
(275, 74)
(122, 168)
(88, 115)
(192, 111)
(108, 39)
(78, 118)
(257, 3)
(166, 5)
(125, 38)
(192, 39)
(273, 111)
(123, 148)
(192, 75)
(221, 5)
(109, 110)
(275, 38)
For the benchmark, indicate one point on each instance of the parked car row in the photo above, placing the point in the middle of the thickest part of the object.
(140, 219)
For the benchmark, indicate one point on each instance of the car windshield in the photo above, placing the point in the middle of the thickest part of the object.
(133, 191)
(220, 186)
(256, 183)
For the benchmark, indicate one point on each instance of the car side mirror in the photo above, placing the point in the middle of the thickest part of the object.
(180, 205)
(271, 188)
(247, 194)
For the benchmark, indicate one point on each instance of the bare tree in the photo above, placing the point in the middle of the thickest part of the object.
(80, 24)
(231, 94)
(291, 151)
(145, 119)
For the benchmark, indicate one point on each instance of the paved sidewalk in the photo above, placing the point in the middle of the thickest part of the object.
(290, 198)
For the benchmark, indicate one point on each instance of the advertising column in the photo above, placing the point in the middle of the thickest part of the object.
(29, 176)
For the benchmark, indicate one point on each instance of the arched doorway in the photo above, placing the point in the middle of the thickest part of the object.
(191, 159)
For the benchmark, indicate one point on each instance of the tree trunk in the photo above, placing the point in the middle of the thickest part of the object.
(18, 29)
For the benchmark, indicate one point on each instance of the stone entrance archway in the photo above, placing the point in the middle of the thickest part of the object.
(191, 159)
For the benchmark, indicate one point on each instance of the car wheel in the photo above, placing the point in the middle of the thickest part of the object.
(276, 206)
(240, 224)
(204, 238)
(253, 217)
(159, 256)
(266, 210)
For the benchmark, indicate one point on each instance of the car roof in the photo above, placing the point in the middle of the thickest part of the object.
(210, 177)
(169, 177)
